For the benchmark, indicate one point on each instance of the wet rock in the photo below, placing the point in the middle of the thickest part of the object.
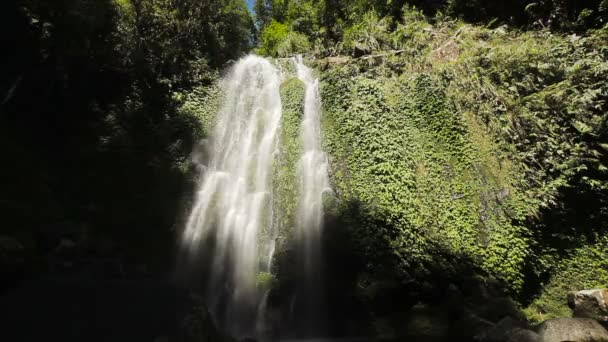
(501, 331)
(468, 325)
(572, 330)
(590, 304)
(522, 335)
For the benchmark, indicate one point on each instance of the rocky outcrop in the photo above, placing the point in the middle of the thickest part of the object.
(498, 332)
(522, 335)
(508, 330)
(572, 330)
(590, 304)
(552, 330)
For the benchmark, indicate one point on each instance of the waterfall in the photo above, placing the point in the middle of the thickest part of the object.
(313, 181)
(312, 169)
(232, 227)
(232, 212)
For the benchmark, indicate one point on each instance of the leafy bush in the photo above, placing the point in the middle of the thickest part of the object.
(370, 33)
(272, 36)
(112, 78)
(294, 43)
(411, 31)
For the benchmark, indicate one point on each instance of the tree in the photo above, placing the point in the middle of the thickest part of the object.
(263, 13)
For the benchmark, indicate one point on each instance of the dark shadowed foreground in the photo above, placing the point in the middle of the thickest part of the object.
(92, 310)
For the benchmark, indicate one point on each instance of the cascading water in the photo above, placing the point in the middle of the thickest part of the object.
(312, 169)
(232, 227)
(313, 182)
(233, 207)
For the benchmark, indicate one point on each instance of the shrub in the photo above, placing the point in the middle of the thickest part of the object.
(271, 38)
(293, 43)
(371, 33)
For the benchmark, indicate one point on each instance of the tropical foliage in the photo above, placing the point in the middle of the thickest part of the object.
(484, 143)
(328, 22)
(91, 115)
(464, 136)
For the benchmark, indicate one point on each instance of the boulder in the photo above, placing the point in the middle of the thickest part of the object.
(522, 335)
(508, 330)
(572, 330)
(468, 325)
(590, 304)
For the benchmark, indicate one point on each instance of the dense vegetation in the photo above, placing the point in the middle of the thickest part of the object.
(333, 26)
(456, 141)
(485, 154)
(467, 139)
(91, 121)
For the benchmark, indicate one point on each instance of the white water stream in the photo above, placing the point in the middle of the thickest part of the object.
(232, 215)
(312, 172)
(234, 197)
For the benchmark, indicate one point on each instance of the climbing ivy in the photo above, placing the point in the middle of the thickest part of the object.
(402, 150)
(488, 143)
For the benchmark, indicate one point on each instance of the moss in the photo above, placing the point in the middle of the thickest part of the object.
(265, 281)
(202, 105)
(292, 98)
(466, 140)
(586, 268)
(422, 170)
(482, 141)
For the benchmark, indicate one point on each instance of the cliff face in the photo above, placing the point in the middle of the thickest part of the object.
(473, 149)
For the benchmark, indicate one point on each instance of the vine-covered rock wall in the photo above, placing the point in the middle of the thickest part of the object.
(425, 179)
(480, 147)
